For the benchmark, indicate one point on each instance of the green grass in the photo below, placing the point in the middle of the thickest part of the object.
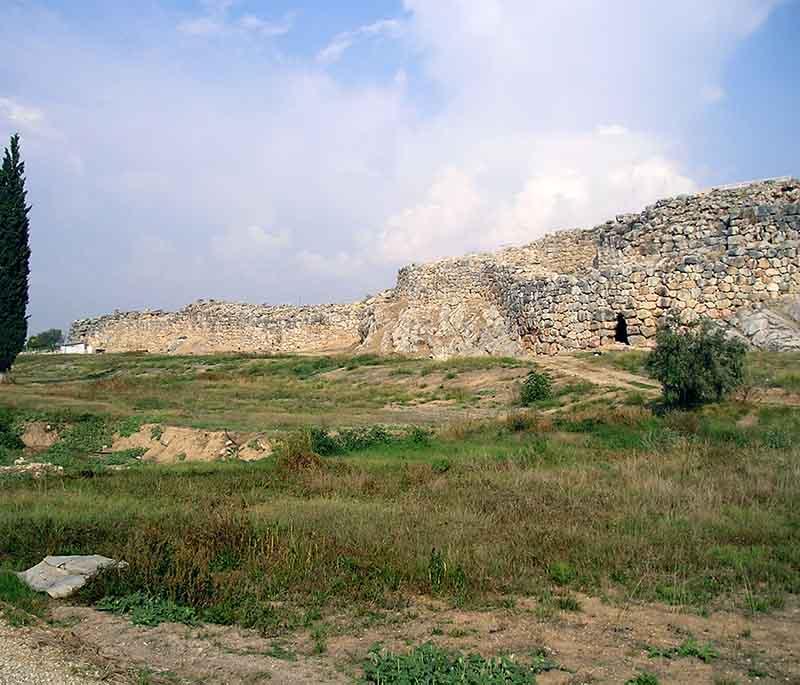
(689, 648)
(430, 664)
(248, 392)
(18, 603)
(632, 361)
(689, 508)
(769, 370)
(644, 678)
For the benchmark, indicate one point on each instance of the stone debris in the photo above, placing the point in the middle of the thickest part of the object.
(729, 254)
(33, 468)
(60, 577)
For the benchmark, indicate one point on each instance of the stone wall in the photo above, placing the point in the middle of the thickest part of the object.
(212, 326)
(720, 254)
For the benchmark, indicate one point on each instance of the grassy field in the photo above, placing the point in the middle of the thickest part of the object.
(248, 392)
(483, 501)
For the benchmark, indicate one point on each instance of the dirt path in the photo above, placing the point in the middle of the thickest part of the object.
(600, 643)
(29, 657)
(599, 375)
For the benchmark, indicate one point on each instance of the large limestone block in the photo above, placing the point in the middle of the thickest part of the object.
(61, 576)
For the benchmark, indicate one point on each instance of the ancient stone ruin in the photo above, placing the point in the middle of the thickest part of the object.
(729, 254)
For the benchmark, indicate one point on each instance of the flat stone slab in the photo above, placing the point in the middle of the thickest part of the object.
(61, 576)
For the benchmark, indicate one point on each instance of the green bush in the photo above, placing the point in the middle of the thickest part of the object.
(696, 366)
(327, 443)
(9, 431)
(537, 386)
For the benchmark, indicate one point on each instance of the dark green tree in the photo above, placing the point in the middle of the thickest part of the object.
(46, 341)
(14, 257)
(696, 365)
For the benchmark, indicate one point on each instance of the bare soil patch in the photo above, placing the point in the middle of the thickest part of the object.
(171, 444)
(601, 643)
(39, 436)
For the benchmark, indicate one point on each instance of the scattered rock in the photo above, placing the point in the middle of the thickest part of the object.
(60, 577)
(35, 469)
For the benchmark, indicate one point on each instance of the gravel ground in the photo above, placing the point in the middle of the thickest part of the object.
(25, 661)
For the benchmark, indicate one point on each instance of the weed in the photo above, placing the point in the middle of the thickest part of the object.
(430, 664)
(125, 457)
(536, 387)
(319, 634)
(568, 603)
(278, 651)
(688, 648)
(441, 465)
(296, 453)
(130, 425)
(149, 611)
(643, 678)
(561, 573)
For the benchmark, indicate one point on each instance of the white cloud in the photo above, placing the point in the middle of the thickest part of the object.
(18, 114)
(340, 264)
(450, 214)
(218, 21)
(565, 181)
(265, 179)
(342, 42)
(249, 243)
(201, 26)
(270, 29)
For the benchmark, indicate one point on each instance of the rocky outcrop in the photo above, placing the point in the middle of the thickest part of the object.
(775, 327)
(729, 254)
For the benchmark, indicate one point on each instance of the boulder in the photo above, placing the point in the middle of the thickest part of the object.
(61, 576)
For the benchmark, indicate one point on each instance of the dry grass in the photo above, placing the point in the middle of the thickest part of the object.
(688, 508)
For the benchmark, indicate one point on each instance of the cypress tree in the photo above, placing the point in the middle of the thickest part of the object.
(14, 257)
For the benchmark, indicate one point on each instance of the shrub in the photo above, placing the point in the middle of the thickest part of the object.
(296, 452)
(696, 366)
(537, 386)
(9, 431)
(326, 443)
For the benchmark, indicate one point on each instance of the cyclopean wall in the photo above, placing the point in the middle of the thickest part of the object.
(728, 254)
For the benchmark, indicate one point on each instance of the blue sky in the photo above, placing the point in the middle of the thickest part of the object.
(301, 151)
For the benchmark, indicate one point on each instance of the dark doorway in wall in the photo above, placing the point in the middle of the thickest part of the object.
(621, 331)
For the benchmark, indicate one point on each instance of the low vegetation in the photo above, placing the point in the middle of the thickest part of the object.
(252, 392)
(536, 387)
(611, 497)
(430, 664)
(687, 649)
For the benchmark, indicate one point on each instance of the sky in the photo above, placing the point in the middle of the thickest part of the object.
(301, 151)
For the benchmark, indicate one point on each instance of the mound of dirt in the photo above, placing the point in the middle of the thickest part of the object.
(39, 436)
(171, 444)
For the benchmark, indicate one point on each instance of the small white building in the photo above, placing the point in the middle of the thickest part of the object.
(76, 348)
